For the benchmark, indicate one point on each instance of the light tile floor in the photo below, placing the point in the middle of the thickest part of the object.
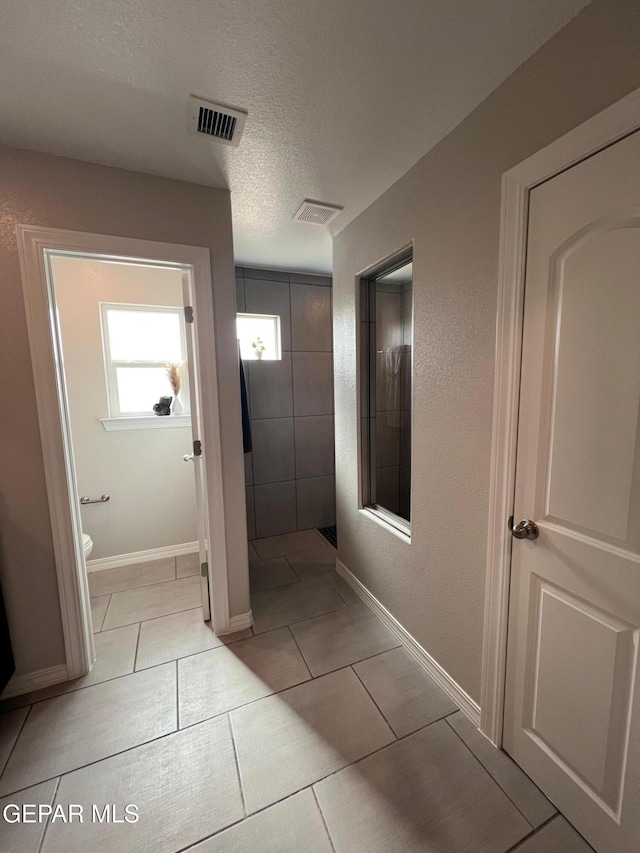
(313, 731)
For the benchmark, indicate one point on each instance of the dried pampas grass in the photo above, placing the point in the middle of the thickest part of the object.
(175, 376)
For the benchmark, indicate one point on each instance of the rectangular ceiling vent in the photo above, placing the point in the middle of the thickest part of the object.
(316, 212)
(217, 121)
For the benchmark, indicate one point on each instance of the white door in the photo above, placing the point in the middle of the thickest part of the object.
(194, 456)
(572, 710)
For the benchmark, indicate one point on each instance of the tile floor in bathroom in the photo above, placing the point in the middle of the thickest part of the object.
(312, 731)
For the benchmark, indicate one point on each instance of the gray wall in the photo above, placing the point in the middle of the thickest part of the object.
(58, 192)
(449, 205)
(289, 476)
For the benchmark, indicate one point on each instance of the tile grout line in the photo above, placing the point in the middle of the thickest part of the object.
(110, 631)
(145, 585)
(48, 823)
(162, 663)
(151, 618)
(24, 723)
(215, 716)
(300, 683)
(291, 417)
(515, 805)
(127, 674)
(164, 615)
(518, 845)
(203, 722)
(363, 660)
(104, 616)
(276, 586)
(379, 749)
(380, 711)
(247, 817)
(293, 568)
(89, 686)
(304, 660)
(92, 763)
(94, 594)
(324, 541)
(298, 621)
(291, 553)
(177, 696)
(311, 786)
(237, 761)
(259, 539)
(192, 654)
(342, 598)
(324, 820)
(135, 657)
(99, 760)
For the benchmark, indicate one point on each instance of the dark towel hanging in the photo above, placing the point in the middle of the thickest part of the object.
(246, 423)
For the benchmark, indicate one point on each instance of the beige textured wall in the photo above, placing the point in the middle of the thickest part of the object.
(153, 498)
(449, 204)
(57, 192)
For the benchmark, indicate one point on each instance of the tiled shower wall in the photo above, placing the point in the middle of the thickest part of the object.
(290, 476)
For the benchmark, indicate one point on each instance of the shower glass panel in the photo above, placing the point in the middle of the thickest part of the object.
(387, 341)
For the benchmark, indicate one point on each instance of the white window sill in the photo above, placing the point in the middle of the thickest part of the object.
(393, 523)
(146, 422)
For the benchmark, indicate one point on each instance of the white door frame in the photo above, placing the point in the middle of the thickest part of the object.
(53, 418)
(597, 133)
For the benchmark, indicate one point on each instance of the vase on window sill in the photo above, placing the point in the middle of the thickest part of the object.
(259, 354)
(176, 407)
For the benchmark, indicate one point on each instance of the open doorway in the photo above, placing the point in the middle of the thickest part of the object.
(113, 323)
(126, 366)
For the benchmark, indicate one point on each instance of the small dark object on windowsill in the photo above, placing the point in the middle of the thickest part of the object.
(163, 407)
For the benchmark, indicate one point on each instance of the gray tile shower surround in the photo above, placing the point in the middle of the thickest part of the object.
(290, 476)
(312, 731)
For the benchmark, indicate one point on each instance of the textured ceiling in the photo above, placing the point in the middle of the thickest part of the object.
(343, 95)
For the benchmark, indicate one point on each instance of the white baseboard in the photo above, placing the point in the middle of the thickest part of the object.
(431, 666)
(141, 556)
(19, 684)
(240, 622)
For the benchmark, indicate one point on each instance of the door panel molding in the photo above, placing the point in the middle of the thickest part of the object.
(609, 126)
(609, 648)
(603, 508)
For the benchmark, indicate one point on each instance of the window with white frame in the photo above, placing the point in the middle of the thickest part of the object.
(259, 336)
(141, 342)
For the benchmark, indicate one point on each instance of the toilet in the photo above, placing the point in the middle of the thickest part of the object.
(87, 545)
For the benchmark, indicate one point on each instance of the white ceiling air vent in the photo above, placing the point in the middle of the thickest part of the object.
(217, 121)
(316, 212)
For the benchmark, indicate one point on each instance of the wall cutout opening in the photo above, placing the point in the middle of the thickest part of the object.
(259, 336)
(386, 341)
